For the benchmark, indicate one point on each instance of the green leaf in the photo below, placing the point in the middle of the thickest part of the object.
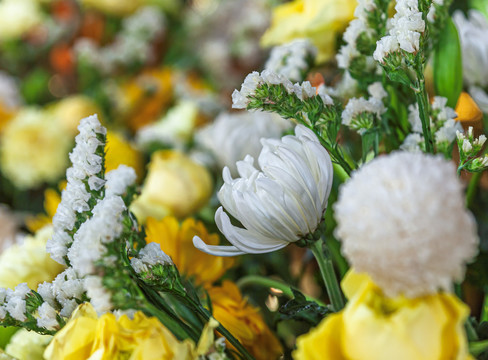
(448, 65)
(299, 308)
(480, 5)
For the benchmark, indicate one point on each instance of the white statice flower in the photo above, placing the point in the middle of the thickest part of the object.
(67, 288)
(175, 128)
(254, 80)
(89, 241)
(87, 166)
(151, 255)
(357, 106)
(291, 60)
(119, 180)
(377, 91)
(278, 205)
(232, 136)
(406, 27)
(402, 219)
(47, 317)
(15, 303)
(100, 298)
(146, 22)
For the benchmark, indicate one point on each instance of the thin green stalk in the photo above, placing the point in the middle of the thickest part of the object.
(423, 102)
(472, 187)
(322, 255)
(271, 283)
(470, 331)
(484, 310)
(221, 329)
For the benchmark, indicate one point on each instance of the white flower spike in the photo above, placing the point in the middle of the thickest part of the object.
(278, 205)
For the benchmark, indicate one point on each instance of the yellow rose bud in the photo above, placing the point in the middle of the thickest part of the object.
(142, 338)
(69, 111)
(175, 185)
(374, 327)
(319, 21)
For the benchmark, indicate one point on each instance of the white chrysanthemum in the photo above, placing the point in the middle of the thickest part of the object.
(402, 219)
(232, 136)
(278, 205)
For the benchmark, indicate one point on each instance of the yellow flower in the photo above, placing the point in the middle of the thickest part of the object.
(28, 262)
(244, 321)
(177, 241)
(469, 114)
(114, 7)
(27, 345)
(174, 185)
(321, 21)
(374, 327)
(107, 338)
(120, 151)
(69, 111)
(51, 202)
(142, 99)
(34, 149)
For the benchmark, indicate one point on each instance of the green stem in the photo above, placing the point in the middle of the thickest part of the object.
(470, 331)
(478, 347)
(322, 255)
(271, 283)
(221, 329)
(422, 100)
(472, 187)
(484, 310)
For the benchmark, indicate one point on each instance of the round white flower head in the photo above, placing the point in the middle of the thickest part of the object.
(278, 205)
(402, 219)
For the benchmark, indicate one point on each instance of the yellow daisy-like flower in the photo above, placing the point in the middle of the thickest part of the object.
(28, 262)
(374, 327)
(177, 241)
(142, 338)
(244, 321)
(120, 151)
(175, 185)
(319, 21)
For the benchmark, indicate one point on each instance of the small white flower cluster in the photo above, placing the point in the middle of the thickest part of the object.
(13, 302)
(291, 60)
(100, 298)
(442, 123)
(469, 148)
(402, 219)
(132, 45)
(151, 255)
(83, 175)
(119, 180)
(232, 136)
(305, 90)
(356, 27)
(404, 33)
(360, 106)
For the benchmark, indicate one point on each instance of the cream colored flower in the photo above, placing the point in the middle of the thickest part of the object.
(402, 220)
(18, 17)
(34, 149)
(28, 262)
(70, 110)
(278, 205)
(174, 185)
(27, 345)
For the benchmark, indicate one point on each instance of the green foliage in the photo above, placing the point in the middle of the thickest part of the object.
(299, 308)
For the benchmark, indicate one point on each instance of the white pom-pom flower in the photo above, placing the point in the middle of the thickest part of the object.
(402, 219)
(278, 205)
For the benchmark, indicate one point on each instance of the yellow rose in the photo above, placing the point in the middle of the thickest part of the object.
(119, 151)
(86, 336)
(177, 242)
(321, 21)
(34, 149)
(174, 185)
(28, 262)
(244, 321)
(69, 111)
(374, 327)
(27, 345)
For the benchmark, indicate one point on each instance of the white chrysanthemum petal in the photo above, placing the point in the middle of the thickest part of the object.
(402, 219)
